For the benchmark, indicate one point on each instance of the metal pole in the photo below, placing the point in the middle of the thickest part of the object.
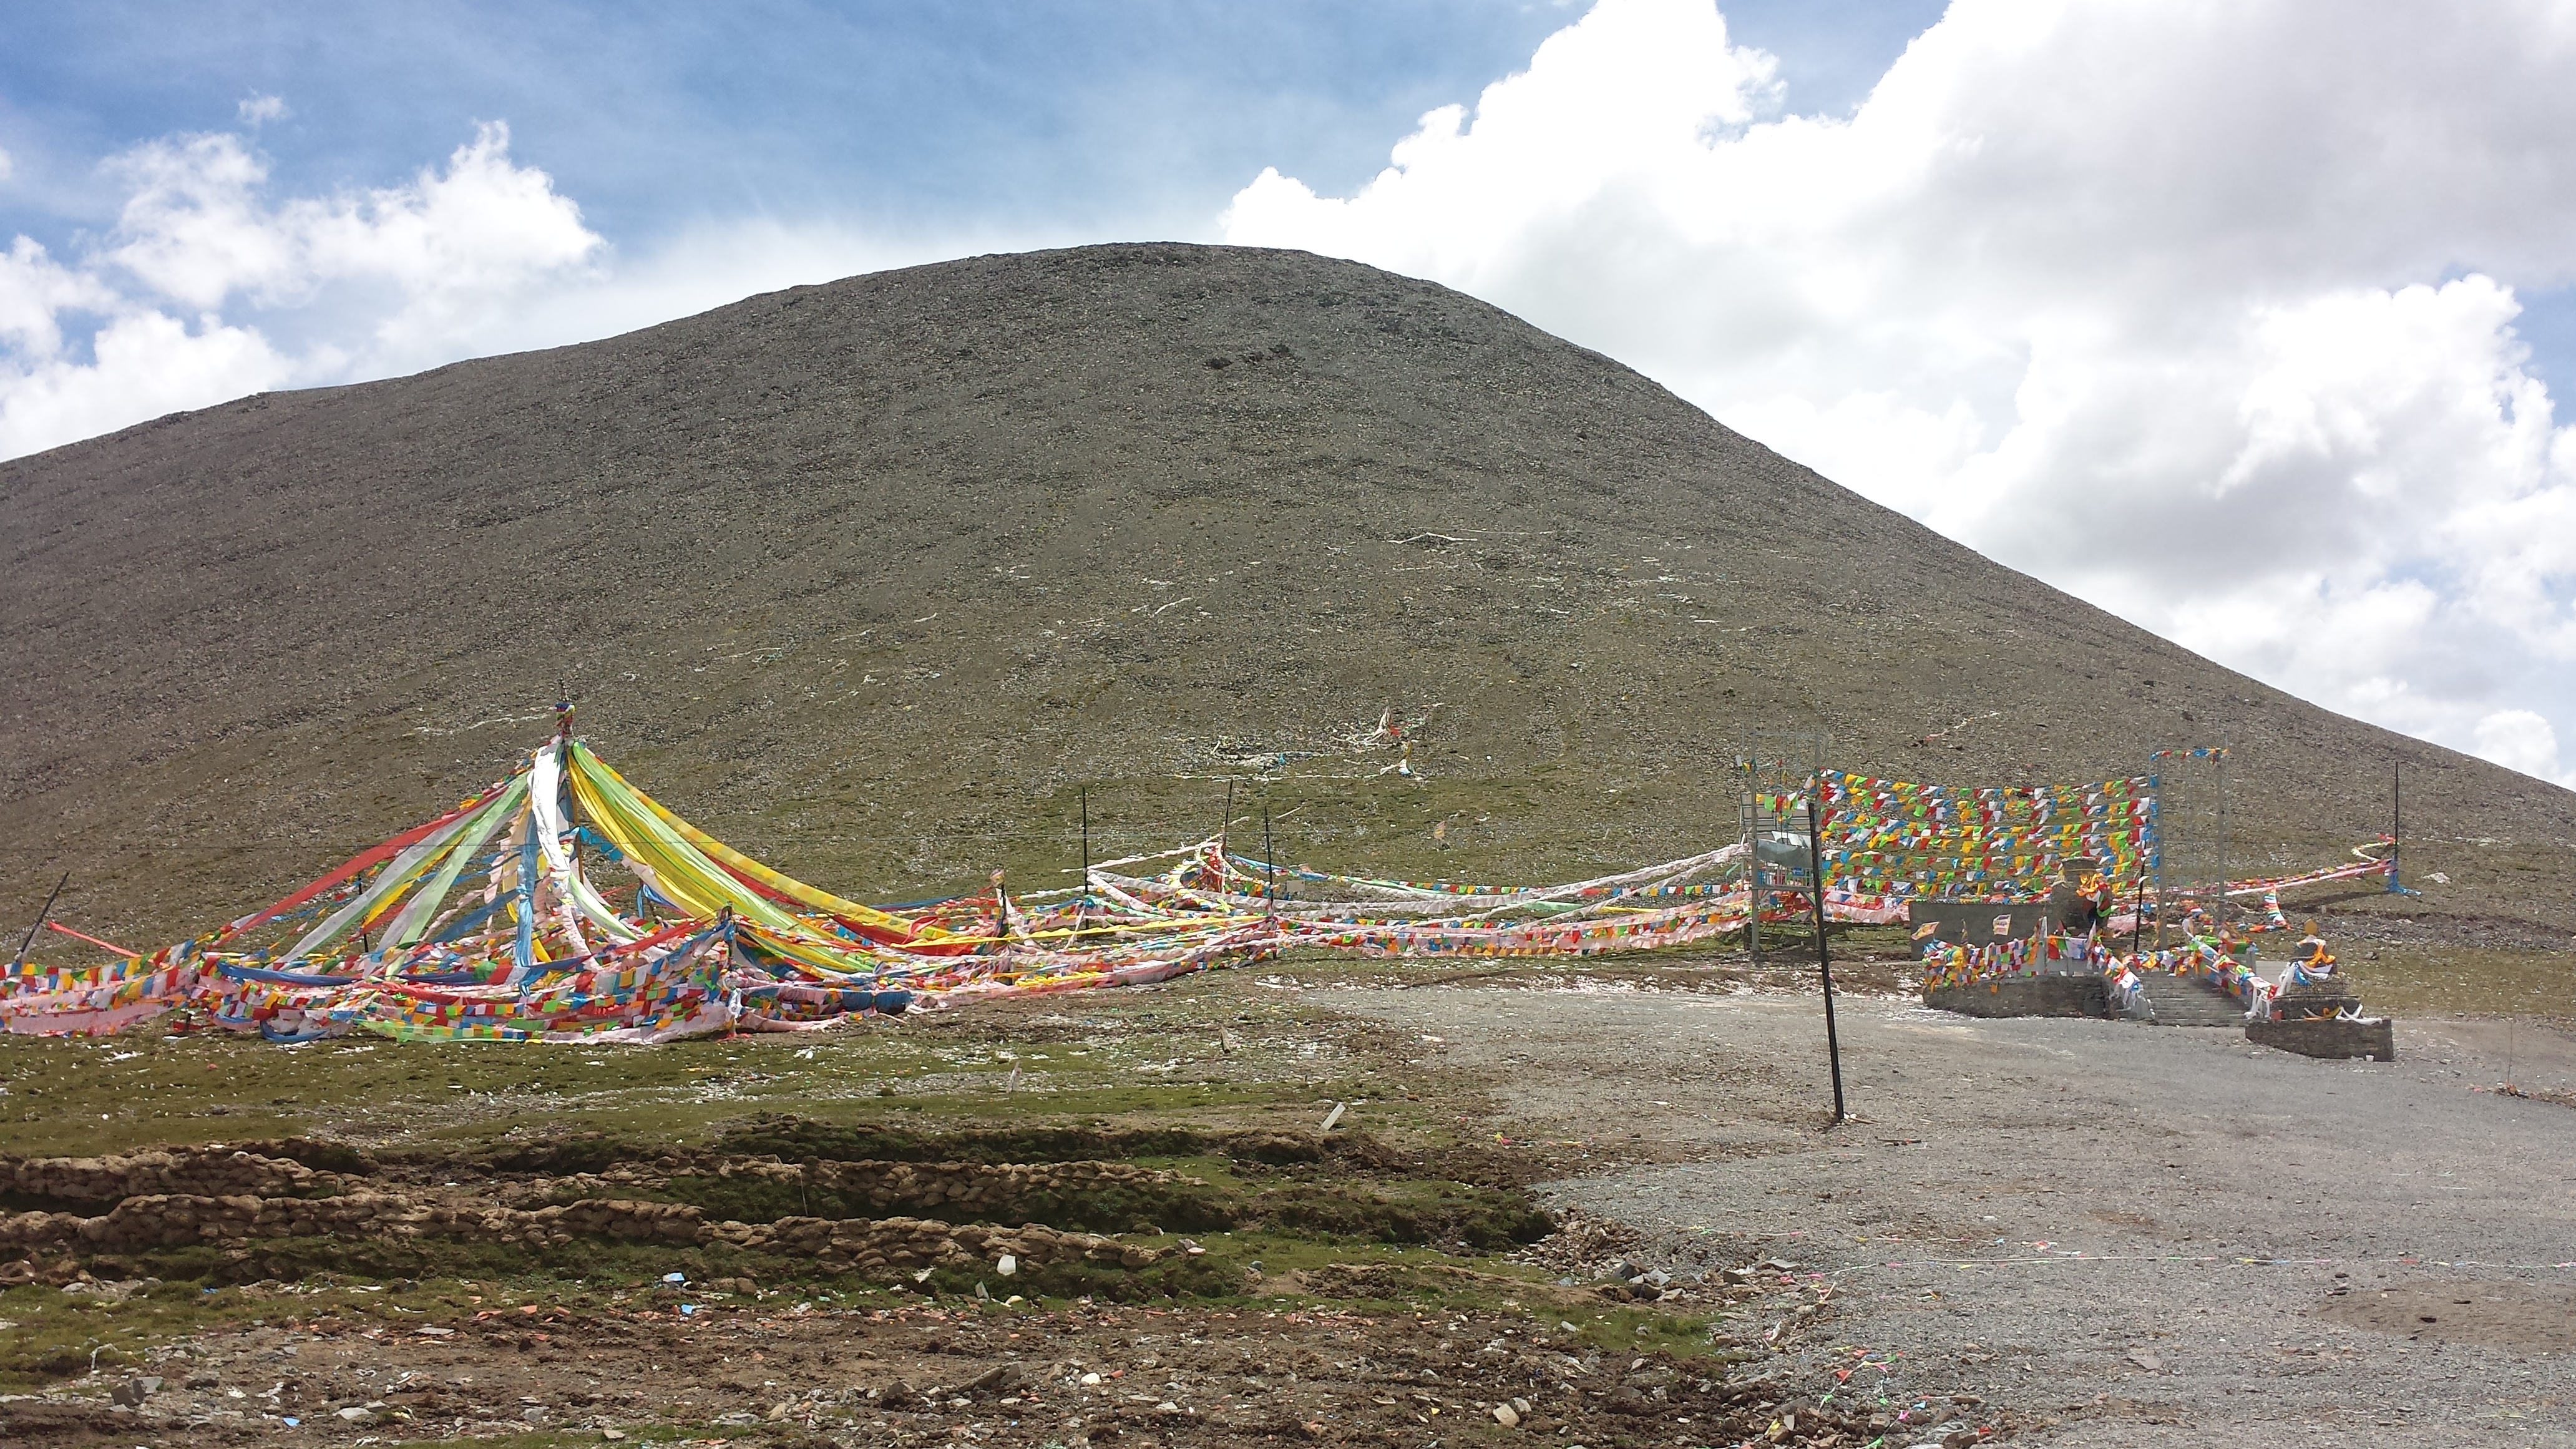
(41, 917)
(1824, 960)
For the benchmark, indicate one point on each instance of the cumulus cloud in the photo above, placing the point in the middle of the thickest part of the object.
(208, 287)
(255, 109)
(2520, 739)
(2205, 313)
(185, 301)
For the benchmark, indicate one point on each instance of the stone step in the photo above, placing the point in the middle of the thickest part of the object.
(2186, 1001)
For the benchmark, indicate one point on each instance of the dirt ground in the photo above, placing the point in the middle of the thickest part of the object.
(2148, 1235)
(2052, 1232)
(975, 1373)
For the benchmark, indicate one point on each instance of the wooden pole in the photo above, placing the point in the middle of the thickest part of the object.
(1753, 855)
(2396, 818)
(2138, 913)
(2156, 839)
(571, 799)
(1824, 960)
(1082, 901)
(41, 917)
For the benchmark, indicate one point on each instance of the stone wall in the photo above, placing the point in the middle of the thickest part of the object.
(1972, 923)
(2084, 995)
(205, 1171)
(2334, 1038)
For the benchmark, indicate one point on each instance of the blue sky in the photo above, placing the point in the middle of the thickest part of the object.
(1137, 118)
(2204, 280)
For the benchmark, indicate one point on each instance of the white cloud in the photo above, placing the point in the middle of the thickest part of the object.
(2197, 311)
(451, 243)
(255, 109)
(719, 262)
(143, 364)
(2520, 739)
(34, 292)
(208, 287)
(203, 273)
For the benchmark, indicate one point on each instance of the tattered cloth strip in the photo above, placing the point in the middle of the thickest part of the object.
(2205, 952)
(1895, 840)
(565, 905)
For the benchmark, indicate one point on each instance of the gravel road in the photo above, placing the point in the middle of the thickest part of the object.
(2145, 1235)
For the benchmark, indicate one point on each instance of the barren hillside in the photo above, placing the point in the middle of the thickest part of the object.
(874, 577)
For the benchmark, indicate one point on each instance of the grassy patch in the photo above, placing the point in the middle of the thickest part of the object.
(1209, 1078)
(2428, 980)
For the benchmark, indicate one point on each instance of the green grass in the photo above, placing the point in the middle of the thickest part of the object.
(52, 1335)
(2438, 980)
(1156, 1079)
(945, 1069)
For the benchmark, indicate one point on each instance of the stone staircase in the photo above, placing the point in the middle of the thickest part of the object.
(2186, 1001)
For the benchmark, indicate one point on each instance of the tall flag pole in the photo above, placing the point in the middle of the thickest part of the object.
(1824, 960)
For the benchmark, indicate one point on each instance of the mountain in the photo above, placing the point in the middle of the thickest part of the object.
(883, 579)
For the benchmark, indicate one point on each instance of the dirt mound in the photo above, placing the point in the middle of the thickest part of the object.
(872, 578)
(242, 1206)
(210, 1170)
(2514, 1313)
(1097, 1375)
(876, 1220)
(795, 1137)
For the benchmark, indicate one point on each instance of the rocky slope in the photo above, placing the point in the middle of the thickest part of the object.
(878, 578)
